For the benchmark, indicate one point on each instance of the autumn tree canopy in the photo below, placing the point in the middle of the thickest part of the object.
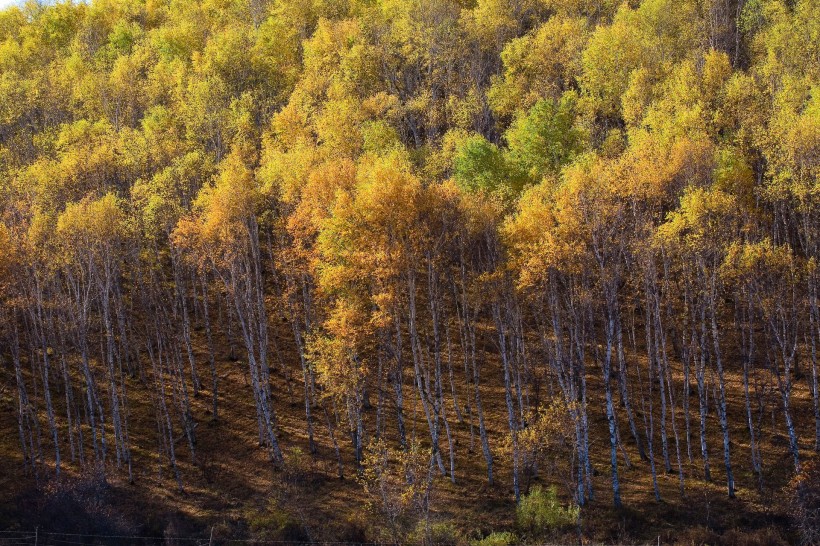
(549, 226)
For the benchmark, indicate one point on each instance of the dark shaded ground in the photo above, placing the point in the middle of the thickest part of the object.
(234, 490)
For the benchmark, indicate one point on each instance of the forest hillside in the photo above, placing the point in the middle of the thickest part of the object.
(410, 271)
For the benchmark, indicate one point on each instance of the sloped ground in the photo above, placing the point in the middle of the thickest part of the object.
(234, 490)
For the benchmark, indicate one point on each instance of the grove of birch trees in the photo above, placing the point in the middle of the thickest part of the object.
(599, 220)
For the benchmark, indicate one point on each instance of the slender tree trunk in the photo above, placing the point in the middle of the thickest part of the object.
(511, 413)
(703, 393)
(211, 355)
(722, 413)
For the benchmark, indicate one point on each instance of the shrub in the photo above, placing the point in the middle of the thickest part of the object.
(541, 511)
(275, 524)
(805, 501)
(442, 532)
(768, 536)
(504, 538)
(269, 523)
(398, 484)
(83, 505)
(694, 535)
(354, 528)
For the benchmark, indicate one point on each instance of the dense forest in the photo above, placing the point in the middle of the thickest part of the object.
(487, 270)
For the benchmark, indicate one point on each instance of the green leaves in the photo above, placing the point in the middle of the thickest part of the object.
(545, 139)
(479, 165)
(540, 142)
